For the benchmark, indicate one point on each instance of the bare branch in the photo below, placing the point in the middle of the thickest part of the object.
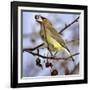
(72, 55)
(32, 49)
(53, 58)
(69, 25)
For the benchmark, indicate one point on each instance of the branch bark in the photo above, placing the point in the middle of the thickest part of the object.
(32, 49)
(69, 25)
(51, 57)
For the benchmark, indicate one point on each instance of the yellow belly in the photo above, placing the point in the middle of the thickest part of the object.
(53, 44)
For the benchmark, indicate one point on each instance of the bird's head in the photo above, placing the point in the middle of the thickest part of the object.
(39, 18)
(42, 20)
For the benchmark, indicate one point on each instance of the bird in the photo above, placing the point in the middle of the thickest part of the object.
(50, 36)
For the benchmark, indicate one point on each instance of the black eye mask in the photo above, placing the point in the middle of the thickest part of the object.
(37, 17)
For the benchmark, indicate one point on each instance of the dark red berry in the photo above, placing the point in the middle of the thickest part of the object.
(54, 72)
(48, 64)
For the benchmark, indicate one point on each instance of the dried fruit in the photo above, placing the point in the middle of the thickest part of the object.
(38, 62)
(54, 72)
(48, 64)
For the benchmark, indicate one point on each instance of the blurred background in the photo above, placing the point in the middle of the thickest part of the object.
(31, 38)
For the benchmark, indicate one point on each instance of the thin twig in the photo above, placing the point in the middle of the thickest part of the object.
(72, 55)
(32, 49)
(69, 25)
(54, 58)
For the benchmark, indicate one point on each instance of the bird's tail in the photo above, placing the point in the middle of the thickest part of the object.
(69, 53)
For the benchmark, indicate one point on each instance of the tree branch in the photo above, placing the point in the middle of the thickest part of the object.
(69, 25)
(32, 49)
(54, 58)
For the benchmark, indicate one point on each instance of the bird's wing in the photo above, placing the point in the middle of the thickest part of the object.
(59, 39)
(54, 34)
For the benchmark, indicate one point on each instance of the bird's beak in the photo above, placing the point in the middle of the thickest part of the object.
(39, 18)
